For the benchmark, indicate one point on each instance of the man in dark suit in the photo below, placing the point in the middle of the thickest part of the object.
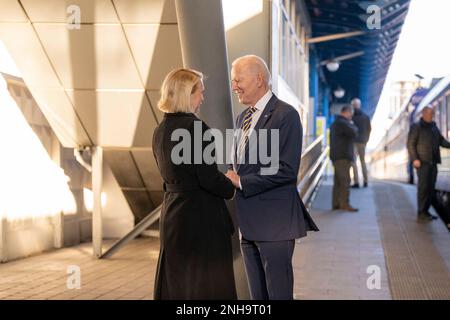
(270, 213)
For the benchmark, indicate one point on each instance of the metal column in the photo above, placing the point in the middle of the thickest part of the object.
(97, 183)
(203, 46)
(3, 231)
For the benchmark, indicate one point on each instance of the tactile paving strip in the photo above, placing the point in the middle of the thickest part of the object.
(415, 268)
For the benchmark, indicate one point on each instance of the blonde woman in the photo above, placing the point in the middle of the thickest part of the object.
(195, 260)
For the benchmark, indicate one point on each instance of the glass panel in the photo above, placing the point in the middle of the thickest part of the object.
(447, 99)
(437, 114)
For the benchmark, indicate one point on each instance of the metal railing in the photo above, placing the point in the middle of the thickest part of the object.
(313, 164)
(151, 218)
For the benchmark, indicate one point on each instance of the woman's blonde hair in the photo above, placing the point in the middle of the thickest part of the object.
(177, 88)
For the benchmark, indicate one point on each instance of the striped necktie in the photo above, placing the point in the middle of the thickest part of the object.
(246, 124)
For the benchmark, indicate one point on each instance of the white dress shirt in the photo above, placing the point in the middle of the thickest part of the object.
(259, 106)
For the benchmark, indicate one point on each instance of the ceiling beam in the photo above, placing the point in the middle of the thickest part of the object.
(335, 36)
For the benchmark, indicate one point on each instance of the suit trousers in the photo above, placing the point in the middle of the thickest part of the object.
(268, 265)
(341, 183)
(427, 174)
(360, 152)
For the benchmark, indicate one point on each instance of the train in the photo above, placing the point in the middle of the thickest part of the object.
(390, 160)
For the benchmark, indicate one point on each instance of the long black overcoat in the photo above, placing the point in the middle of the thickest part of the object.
(195, 260)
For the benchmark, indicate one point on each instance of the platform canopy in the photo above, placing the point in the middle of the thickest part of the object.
(365, 47)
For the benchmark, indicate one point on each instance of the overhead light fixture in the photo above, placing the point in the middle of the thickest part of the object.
(339, 92)
(332, 65)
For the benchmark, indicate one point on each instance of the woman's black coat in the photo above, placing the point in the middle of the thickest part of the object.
(195, 260)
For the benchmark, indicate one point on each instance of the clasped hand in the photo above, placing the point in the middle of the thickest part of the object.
(234, 177)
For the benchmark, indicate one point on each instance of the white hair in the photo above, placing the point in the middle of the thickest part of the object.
(356, 101)
(256, 63)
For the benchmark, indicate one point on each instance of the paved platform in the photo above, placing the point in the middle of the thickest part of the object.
(127, 275)
(411, 258)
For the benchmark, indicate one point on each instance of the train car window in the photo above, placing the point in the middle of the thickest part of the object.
(437, 114)
(443, 108)
(447, 99)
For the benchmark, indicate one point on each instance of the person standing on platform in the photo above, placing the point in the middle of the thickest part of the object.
(362, 122)
(424, 140)
(270, 213)
(195, 260)
(342, 136)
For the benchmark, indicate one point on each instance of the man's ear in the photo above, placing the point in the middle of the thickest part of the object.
(259, 80)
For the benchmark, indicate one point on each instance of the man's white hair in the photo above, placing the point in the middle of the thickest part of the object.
(356, 101)
(257, 64)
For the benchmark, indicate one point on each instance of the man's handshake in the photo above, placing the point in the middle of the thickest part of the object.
(234, 178)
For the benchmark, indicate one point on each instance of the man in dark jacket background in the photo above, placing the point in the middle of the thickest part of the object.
(342, 135)
(362, 122)
(424, 140)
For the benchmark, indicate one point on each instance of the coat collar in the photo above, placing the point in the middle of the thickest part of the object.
(427, 124)
(341, 118)
(179, 114)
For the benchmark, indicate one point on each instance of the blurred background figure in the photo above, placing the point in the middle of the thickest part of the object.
(362, 122)
(342, 136)
(424, 139)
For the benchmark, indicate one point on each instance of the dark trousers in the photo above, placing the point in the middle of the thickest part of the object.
(427, 174)
(360, 152)
(341, 183)
(268, 265)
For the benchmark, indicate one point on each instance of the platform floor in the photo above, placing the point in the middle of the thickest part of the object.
(127, 275)
(412, 259)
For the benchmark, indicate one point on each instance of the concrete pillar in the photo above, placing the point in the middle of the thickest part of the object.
(58, 230)
(203, 47)
(97, 186)
(3, 244)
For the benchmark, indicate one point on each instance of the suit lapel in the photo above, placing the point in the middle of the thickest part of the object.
(265, 116)
(267, 112)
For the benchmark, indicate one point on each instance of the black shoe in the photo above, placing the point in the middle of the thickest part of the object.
(432, 216)
(365, 184)
(426, 216)
(349, 208)
(355, 186)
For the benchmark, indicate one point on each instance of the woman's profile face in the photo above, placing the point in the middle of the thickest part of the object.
(197, 97)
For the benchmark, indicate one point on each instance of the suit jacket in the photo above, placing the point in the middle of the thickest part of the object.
(269, 207)
(362, 122)
(342, 136)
